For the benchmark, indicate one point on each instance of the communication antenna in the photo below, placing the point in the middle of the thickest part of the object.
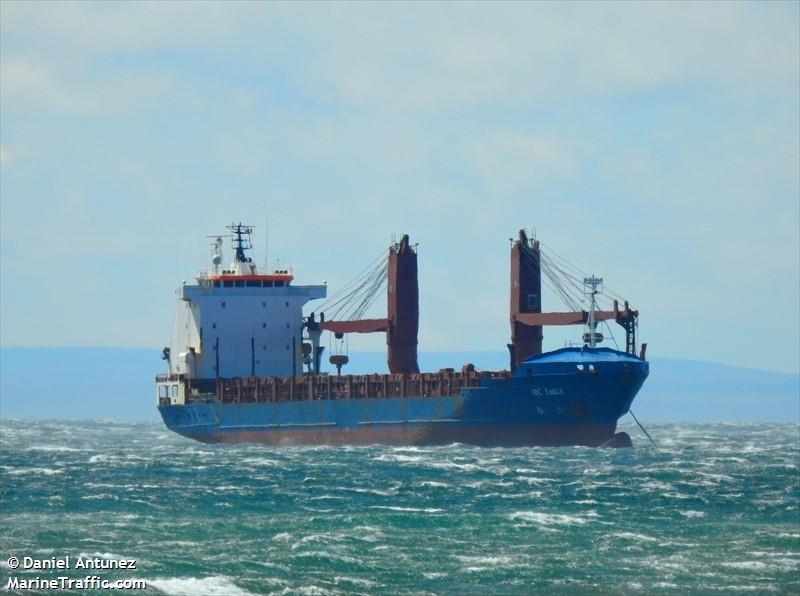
(590, 288)
(216, 250)
(242, 241)
(266, 244)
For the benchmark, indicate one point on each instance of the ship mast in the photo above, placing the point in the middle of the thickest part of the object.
(240, 244)
(591, 285)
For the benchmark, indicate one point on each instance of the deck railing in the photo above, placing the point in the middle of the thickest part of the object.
(163, 378)
(376, 386)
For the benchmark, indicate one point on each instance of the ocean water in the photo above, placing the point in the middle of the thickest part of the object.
(712, 509)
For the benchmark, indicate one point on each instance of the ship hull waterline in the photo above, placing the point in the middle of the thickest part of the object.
(557, 410)
(433, 434)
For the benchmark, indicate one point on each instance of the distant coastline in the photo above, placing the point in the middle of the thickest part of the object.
(117, 384)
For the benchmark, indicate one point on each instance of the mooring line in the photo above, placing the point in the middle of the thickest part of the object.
(643, 429)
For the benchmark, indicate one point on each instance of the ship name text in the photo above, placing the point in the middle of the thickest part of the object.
(547, 391)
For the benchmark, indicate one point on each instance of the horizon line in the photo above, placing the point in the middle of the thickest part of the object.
(675, 358)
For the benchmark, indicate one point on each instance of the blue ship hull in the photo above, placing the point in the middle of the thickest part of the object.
(571, 396)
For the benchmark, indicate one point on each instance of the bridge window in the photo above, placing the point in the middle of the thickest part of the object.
(174, 391)
(163, 391)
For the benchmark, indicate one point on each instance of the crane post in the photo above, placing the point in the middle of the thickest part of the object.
(526, 297)
(402, 308)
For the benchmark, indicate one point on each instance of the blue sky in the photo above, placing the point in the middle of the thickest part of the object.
(654, 144)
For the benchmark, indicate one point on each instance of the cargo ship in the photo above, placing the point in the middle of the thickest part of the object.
(244, 361)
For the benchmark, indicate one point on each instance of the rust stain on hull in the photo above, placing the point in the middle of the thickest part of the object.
(485, 436)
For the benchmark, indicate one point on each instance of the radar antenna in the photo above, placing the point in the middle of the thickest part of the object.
(216, 250)
(241, 241)
(216, 255)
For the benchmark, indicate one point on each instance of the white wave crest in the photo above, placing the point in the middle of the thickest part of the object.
(409, 509)
(548, 519)
(433, 484)
(283, 537)
(52, 448)
(100, 459)
(215, 585)
(306, 591)
(262, 462)
(748, 565)
(32, 471)
(491, 562)
(106, 556)
(634, 537)
(692, 514)
(400, 457)
(356, 581)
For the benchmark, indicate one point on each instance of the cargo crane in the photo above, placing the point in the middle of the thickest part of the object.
(399, 273)
(401, 324)
(527, 318)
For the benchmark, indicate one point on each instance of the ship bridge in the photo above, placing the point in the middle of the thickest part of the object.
(239, 320)
(228, 280)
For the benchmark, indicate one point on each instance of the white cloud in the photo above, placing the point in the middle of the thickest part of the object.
(515, 159)
(37, 87)
(451, 57)
(660, 132)
(422, 56)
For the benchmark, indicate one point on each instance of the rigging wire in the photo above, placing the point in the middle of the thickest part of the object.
(611, 333)
(642, 427)
(358, 277)
(367, 297)
(355, 298)
(553, 255)
(567, 294)
(564, 279)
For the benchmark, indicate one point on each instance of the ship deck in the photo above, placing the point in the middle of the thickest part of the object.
(332, 387)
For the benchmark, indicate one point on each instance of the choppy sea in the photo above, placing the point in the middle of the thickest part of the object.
(712, 508)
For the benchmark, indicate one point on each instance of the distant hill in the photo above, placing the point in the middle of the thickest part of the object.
(117, 384)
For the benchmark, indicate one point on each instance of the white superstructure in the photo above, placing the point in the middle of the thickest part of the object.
(238, 321)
